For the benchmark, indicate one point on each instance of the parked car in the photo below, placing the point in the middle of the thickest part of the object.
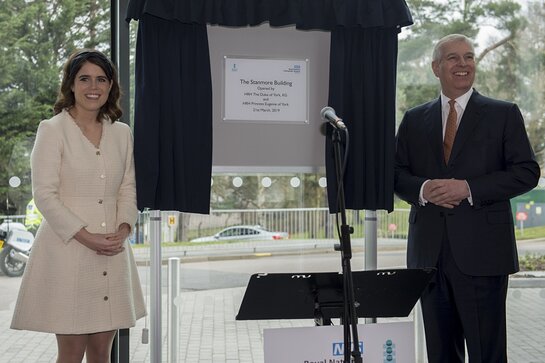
(243, 233)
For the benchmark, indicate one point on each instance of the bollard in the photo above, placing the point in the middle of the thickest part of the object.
(173, 308)
(370, 246)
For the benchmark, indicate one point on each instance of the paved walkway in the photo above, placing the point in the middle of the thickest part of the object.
(209, 332)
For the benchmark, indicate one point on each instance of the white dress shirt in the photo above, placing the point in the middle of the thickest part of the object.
(460, 104)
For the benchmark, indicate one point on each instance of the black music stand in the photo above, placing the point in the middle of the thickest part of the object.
(319, 296)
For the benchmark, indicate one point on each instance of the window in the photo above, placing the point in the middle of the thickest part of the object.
(36, 36)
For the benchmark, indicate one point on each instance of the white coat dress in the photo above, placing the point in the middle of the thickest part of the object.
(67, 288)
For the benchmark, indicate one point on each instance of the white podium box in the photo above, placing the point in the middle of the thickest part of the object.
(379, 343)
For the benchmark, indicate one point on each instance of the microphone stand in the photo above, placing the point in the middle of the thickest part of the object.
(349, 318)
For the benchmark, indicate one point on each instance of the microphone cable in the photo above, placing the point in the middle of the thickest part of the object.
(340, 182)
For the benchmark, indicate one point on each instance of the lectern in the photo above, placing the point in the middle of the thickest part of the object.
(319, 296)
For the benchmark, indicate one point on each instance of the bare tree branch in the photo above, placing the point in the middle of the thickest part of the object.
(494, 46)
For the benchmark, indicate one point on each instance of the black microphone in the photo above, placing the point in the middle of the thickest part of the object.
(329, 115)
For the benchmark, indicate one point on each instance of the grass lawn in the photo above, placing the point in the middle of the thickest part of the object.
(530, 233)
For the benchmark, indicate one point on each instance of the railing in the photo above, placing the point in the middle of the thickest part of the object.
(300, 223)
(14, 218)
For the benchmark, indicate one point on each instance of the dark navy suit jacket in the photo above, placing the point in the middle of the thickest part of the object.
(492, 152)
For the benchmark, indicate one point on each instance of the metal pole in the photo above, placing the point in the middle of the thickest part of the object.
(120, 347)
(349, 317)
(119, 50)
(173, 308)
(155, 286)
(370, 246)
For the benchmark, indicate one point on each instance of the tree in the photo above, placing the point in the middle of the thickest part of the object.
(524, 81)
(37, 36)
(510, 55)
(279, 194)
(433, 20)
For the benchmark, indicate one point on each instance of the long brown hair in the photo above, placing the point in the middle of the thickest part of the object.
(66, 99)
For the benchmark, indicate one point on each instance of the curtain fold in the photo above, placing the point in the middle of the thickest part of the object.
(362, 81)
(304, 14)
(173, 116)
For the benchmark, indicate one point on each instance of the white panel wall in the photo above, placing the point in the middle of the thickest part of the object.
(269, 146)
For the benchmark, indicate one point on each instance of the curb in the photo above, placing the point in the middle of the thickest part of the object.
(527, 282)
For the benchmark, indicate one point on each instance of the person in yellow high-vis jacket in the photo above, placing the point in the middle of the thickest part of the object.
(33, 217)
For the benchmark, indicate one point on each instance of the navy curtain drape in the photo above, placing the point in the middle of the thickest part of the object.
(173, 108)
(362, 81)
(173, 116)
(304, 14)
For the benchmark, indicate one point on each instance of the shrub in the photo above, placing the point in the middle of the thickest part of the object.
(532, 262)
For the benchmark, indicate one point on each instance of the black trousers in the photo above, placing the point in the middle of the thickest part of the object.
(457, 308)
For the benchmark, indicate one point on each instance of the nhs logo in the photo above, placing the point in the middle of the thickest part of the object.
(338, 348)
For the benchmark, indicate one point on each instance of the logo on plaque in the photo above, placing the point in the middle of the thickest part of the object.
(338, 348)
(389, 351)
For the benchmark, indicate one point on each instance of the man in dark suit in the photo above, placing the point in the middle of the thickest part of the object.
(459, 159)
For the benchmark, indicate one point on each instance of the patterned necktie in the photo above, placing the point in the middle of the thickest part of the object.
(450, 130)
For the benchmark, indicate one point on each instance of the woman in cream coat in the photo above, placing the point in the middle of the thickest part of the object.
(81, 282)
